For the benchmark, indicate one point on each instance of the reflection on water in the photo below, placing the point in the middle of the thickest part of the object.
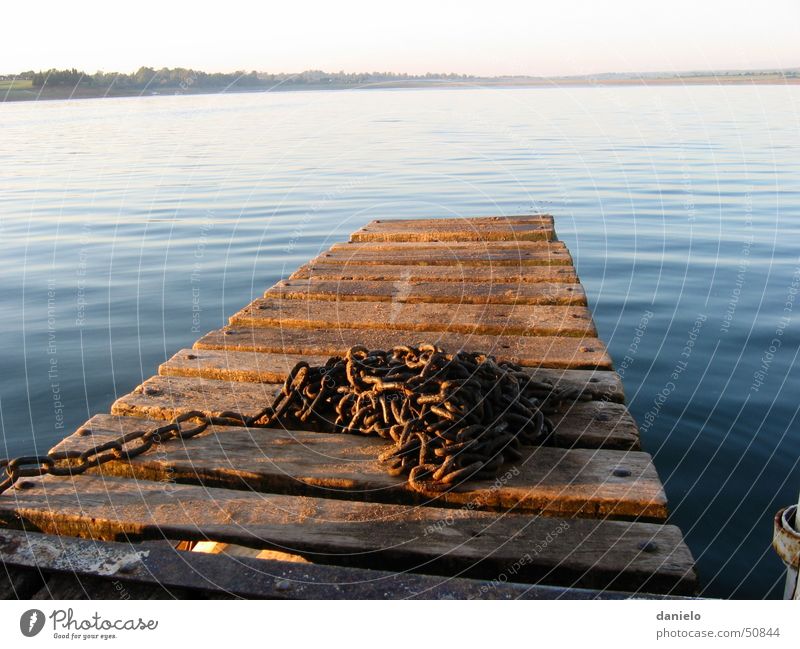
(131, 226)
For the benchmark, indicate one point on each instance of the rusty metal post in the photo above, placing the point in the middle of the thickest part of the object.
(786, 541)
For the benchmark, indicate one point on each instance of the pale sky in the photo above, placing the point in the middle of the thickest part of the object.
(487, 37)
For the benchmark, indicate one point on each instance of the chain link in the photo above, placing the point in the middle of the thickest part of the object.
(450, 417)
(70, 463)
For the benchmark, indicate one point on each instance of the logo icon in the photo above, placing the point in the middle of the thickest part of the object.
(31, 622)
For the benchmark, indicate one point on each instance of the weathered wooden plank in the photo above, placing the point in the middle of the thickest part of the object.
(554, 254)
(596, 424)
(541, 293)
(165, 397)
(480, 229)
(67, 586)
(489, 274)
(580, 552)
(589, 424)
(194, 574)
(432, 224)
(539, 351)
(453, 248)
(260, 367)
(493, 319)
(225, 365)
(554, 481)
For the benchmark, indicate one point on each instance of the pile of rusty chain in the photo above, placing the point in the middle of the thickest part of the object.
(450, 417)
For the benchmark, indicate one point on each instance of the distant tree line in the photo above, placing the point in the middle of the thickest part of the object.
(182, 78)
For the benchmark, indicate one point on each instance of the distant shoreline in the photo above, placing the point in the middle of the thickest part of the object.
(88, 92)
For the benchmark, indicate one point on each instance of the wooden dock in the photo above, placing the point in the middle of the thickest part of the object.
(305, 514)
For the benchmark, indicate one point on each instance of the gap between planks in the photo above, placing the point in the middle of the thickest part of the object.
(554, 481)
(590, 424)
(567, 352)
(473, 229)
(383, 272)
(578, 552)
(489, 319)
(262, 367)
(412, 292)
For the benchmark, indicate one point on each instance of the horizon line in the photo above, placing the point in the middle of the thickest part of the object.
(588, 75)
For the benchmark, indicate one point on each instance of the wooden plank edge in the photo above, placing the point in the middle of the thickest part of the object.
(196, 572)
(588, 353)
(263, 367)
(597, 554)
(594, 483)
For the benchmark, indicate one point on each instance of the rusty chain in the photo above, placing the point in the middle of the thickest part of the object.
(450, 417)
(69, 463)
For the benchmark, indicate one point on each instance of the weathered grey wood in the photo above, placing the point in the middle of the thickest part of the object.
(492, 319)
(489, 274)
(548, 480)
(540, 293)
(67, 586)
(193, 575)
(225, 365)
(554, 254)
(165, 397)
(578, 552)
(260, 367)
(596, 424)
(590, 424)
(476, 229)
(538, 351)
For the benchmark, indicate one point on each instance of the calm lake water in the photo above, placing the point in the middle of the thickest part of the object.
(680, 206)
